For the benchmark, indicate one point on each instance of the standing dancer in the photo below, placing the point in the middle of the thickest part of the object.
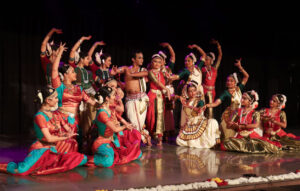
(168, 69)
(49, 49)
(136, 97)
(55, 149)
(209, 71)
(233, 96)
(274, 119)
(155, 114)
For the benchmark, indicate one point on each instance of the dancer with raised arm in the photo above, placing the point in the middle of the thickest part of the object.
(232, 96)
(55, 149)
(48, 53)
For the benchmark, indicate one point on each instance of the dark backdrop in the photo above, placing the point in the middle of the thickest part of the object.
(264, 34)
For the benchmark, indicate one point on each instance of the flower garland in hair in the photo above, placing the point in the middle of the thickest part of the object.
(212, 55)
(77, 56)
(162, 54)
(40, 96)
(234, 75)
(282, 104)
(98, 57)
(49, 49)
(193, 57)
(219, 181)
(256, 98)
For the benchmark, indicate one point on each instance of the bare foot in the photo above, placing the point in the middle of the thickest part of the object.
(149, 141)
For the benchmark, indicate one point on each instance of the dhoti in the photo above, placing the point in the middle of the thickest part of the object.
(136, 110)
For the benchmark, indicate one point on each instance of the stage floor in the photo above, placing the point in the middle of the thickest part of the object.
(166, 165)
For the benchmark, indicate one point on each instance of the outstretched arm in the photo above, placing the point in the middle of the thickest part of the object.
(214, 104)
(136, 74)
(92, 49)
(55, 65)
(158, 83)
(242, 70)
(203, 54)
(171, 51)
(76, 46)
(47, 38)
(220, 53)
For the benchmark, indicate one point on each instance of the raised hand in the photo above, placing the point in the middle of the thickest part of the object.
(191, 46)
(100, 43)
(164, 44)
(86, 37)
(238, 63)
(62, 47)
(57, 31)
(214, 41)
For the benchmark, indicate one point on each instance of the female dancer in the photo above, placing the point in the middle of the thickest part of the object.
(232, 95)
(54, 151)
(107, 148)
(49, 49)
(155, 114)
(196, 130)
(69, 95)
(274, 119)
(245, 120)
(210, 71)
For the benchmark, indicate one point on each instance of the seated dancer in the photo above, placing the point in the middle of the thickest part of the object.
(196, 130)
(155, 114)
(274, 119)
(244, 121)
(107, 148)
(232, 97)
(55, 149)
(209, 71)
(49, 50)
(167, 69)
(69, 95)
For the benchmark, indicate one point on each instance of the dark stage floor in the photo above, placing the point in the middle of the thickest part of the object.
(165, 165)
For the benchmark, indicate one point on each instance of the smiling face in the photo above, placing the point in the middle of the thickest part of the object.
(230, 82)
(70, 74)
(188, 61)
(273, 102)
(107, 62)
(245, 102)
(192, 92)
(138, 60)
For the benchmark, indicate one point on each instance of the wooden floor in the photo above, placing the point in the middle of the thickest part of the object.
(167, 165)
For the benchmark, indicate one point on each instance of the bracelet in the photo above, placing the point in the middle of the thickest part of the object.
(80, 41)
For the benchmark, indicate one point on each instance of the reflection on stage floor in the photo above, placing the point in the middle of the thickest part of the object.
(165, 165)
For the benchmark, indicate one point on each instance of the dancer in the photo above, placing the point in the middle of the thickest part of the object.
(155, 114)
(94, 66)
(69, 95)
(274, 119)
(168, 70)
(107, 148)
(196, 130)
(55, 149)
(244, 120)
(209, 71)
(232, 95)
(136, 101)
(49, 50)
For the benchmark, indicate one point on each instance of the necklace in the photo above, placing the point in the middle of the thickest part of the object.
(246, 115)
(209, 74)
(85, 79)
(70, 88)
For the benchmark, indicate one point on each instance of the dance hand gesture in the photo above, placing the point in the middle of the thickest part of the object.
(100, 43)
(62, 47)
(238, 63)
(214, 41)
(85, 38)
(164, 44)
(114, 70)
(55, 30)
(191, 46)
(233, 125)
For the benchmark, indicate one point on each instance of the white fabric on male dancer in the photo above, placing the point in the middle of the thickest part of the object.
(136, 110)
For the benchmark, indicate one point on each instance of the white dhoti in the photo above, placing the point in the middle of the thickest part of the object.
(136, 110)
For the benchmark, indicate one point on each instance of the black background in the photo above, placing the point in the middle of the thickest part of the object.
(264, 34)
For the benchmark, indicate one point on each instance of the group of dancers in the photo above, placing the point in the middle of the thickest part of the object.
(82, 119)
